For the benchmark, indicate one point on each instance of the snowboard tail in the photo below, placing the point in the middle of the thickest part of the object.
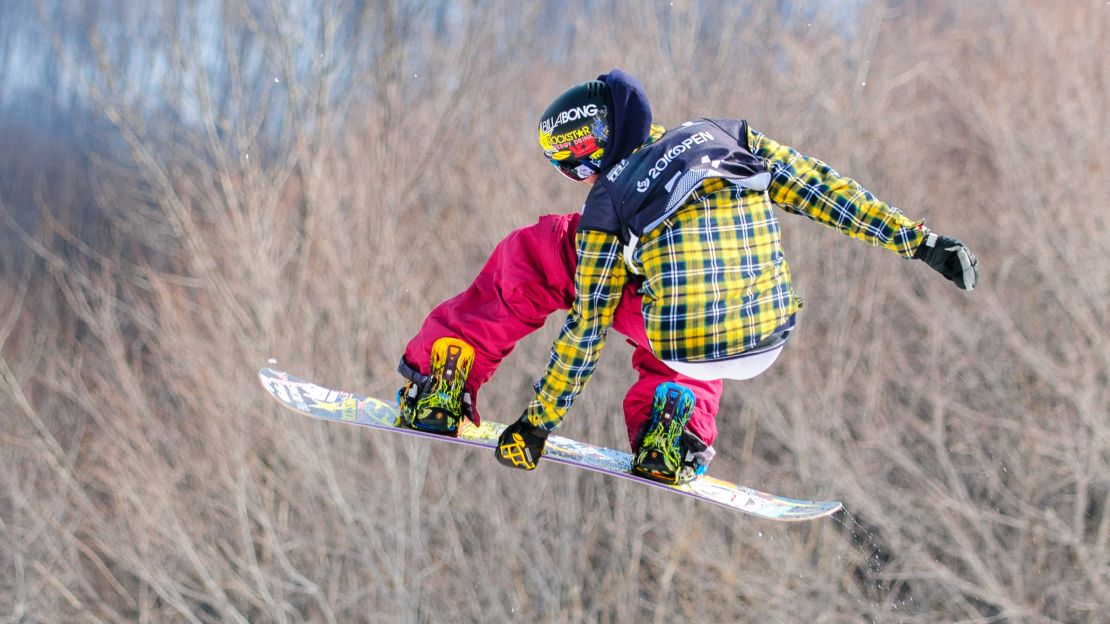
(317, 401)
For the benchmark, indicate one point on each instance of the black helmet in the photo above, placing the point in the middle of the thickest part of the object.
(574, 130)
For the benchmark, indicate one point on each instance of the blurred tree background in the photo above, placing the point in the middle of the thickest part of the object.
(190, 188)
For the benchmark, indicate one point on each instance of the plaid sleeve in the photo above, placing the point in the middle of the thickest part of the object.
(598, 281)
(807, 186)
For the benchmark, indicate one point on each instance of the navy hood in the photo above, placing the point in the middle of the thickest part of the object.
(629, 116)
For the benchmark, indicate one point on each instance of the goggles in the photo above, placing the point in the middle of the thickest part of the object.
(575, 170)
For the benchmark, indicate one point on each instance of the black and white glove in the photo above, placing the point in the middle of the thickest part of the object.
(521, 445)
(951, 258)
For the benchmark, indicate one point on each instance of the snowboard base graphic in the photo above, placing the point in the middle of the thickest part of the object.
(317, 401)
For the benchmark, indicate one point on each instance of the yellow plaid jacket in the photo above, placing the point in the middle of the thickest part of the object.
(716, 282)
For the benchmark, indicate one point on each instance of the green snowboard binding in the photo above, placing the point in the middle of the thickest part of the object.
(662, 453)
(437, 403)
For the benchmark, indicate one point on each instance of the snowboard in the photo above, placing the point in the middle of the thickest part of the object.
(317, 401)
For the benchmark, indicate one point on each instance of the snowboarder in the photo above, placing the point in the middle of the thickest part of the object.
(678, 225)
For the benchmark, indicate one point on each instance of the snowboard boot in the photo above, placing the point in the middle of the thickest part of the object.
(439, 404)
(662, 453)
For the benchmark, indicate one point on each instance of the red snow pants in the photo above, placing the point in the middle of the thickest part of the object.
(529, 276)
